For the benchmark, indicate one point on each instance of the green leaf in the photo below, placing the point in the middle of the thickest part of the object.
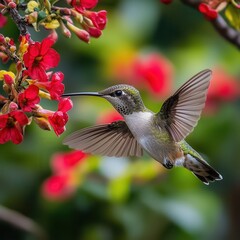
(233, 16)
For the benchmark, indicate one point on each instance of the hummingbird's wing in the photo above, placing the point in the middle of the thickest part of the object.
(182, 110)
(114, 139)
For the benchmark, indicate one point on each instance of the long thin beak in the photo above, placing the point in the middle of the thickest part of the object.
(82, 94)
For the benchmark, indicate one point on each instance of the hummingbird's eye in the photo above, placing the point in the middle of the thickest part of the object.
(118, 93)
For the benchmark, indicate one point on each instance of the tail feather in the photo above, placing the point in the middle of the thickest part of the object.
(201, 169)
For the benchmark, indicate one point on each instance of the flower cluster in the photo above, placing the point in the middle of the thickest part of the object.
(27, 84)
(77, 17)
(66, 176)
(52, 17)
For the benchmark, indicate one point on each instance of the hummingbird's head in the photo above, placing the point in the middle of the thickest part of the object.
(124, 98)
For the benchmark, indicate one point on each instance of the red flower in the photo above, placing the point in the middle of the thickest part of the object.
(11, 127)
(59, 119)
(81, 5)
(55, 86)
(57, 187)
(207, 11)
(99, 19)
(8, 79)
(223, 87)
(155, 71)
(109, 117)
(39, 58)
(62, 162)
(29, 98)
(3, 20)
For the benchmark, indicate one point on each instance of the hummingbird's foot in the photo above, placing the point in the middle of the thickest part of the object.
(167, 164)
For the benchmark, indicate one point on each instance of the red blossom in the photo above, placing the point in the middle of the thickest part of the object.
(81, 5)
(207, 11)
(59, 119)
(99, 19)
(29, 98)
(11, 127)
(93, 31)
(57, 187)
(156, 72)
(62, 162)
(55, 86)
(65, 105)
(3, 20)
(39, 58)
(223, 87)
(8, 79)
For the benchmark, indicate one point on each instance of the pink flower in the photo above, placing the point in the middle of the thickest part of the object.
(62, 162)
(39, 58)
(11, 127)
(29, 98)
(3, 20)
(57, 187)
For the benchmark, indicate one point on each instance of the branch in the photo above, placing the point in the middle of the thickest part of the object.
(22, 222)
(230, 34)
(17, 18)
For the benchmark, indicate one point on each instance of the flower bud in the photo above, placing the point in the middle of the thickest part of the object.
(8, 79)
(12, 5)
(12, 49)
(13, 106)
(65, 30)
(4, 57)
(2, 39)
(81, 34)
(42, 123)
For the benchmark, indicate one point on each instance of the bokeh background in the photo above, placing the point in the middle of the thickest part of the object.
(156, 48)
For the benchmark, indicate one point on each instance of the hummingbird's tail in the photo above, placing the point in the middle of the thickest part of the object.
(201, 169)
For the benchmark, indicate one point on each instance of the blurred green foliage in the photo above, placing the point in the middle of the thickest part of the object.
(173, 206)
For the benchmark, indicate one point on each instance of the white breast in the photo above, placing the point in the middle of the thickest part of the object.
(139, 123)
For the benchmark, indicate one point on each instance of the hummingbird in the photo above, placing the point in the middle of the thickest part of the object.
(160, 134)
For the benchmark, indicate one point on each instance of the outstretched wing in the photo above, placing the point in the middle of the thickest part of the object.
(113, 139)
(182, 110)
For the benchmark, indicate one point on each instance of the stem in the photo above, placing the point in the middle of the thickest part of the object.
(17, 18)
(22, 222)
(221, 26)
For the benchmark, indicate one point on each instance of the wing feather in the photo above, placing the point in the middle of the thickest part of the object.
(182, 110)
(113, 139)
